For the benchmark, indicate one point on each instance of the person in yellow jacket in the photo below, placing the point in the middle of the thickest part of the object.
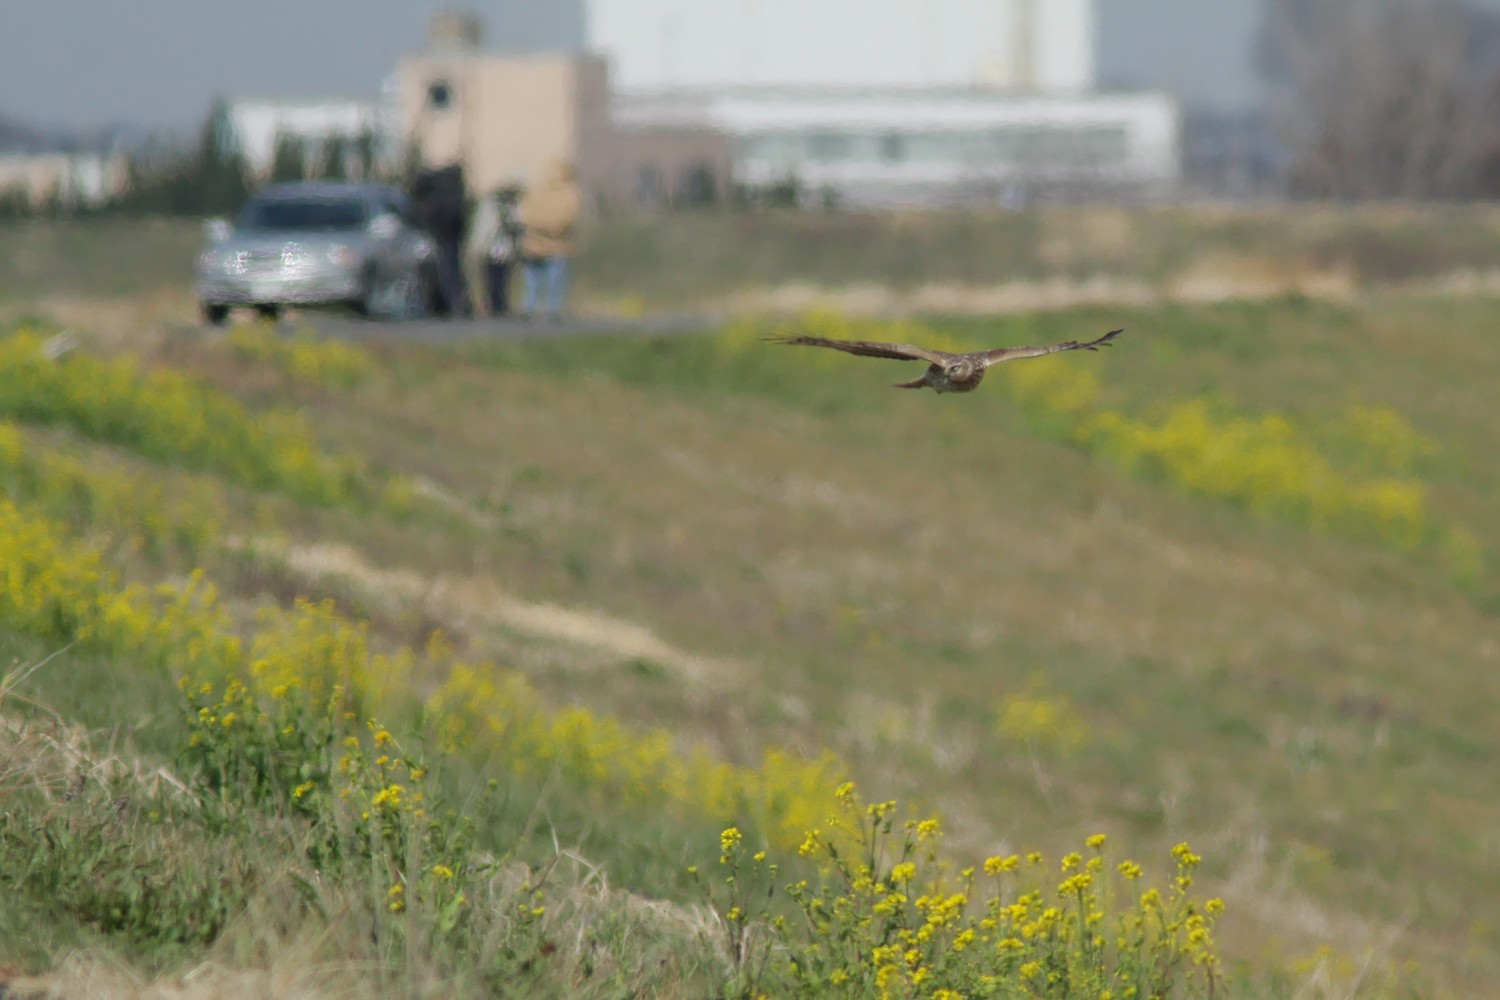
(549, 213)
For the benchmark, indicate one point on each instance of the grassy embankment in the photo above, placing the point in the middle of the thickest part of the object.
(1228, 583)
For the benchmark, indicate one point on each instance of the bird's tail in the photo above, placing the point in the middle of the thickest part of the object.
(916, 383)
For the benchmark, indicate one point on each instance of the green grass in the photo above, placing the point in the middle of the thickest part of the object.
(825, 563)
(883, 569)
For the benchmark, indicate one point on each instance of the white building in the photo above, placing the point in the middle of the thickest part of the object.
(1045, 46)
(925, 145)
(892, 101)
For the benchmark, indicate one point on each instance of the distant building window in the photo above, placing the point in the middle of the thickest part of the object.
(828, 147)
(648, 188)
(776, 150)
(440, 95)
(696, 186)
(1063, 147)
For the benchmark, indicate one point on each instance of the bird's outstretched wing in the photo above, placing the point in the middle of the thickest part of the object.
(1012, 353)
(868, 348)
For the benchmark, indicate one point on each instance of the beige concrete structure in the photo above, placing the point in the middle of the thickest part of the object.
(504, 118)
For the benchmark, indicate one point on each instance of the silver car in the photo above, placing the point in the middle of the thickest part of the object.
(317, 243)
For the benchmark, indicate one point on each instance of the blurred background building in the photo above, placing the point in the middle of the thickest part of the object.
(505, 117)
(663, 102)
(919, 101)
(895, 101)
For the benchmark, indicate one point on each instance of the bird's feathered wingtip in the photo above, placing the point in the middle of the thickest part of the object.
(1104, 341)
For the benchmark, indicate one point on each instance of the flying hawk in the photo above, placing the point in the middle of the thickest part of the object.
(946, 372)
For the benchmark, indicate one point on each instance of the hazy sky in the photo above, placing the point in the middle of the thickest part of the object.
(158, 62)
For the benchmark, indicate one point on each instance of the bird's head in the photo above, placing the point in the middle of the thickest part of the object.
(959, 369)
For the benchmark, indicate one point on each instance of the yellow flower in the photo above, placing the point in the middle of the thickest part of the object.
(390, 795)
(442, 872)
(904, 872)
(382, 737)
(927, 828)
(1096, 841)
(1185, 856)
(1130, 870)
(996, 865)
(730, 839)
(228, 719)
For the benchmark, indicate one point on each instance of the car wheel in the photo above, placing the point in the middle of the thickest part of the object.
(268, 311)
(214, 313)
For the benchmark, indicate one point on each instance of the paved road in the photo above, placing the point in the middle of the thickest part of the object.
(452, 331)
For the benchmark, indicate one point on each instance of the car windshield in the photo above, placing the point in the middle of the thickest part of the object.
(302, 213)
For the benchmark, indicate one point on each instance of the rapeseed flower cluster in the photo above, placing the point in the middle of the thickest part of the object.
(302, 357)
(165, 415)
(888, 916)
(495, 713)
(151, 516)
(1041, 721)
(284, 750)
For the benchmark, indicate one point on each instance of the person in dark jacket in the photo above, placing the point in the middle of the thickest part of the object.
(439, 199)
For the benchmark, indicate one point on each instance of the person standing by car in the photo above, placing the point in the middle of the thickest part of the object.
(549, 212)
(494, 246)
(439, 197)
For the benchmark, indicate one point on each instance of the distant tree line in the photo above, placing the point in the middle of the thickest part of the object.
(207, 175)
(1385, 98)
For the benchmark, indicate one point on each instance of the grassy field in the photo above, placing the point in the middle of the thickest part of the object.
(779, 261)
(1231, 582)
